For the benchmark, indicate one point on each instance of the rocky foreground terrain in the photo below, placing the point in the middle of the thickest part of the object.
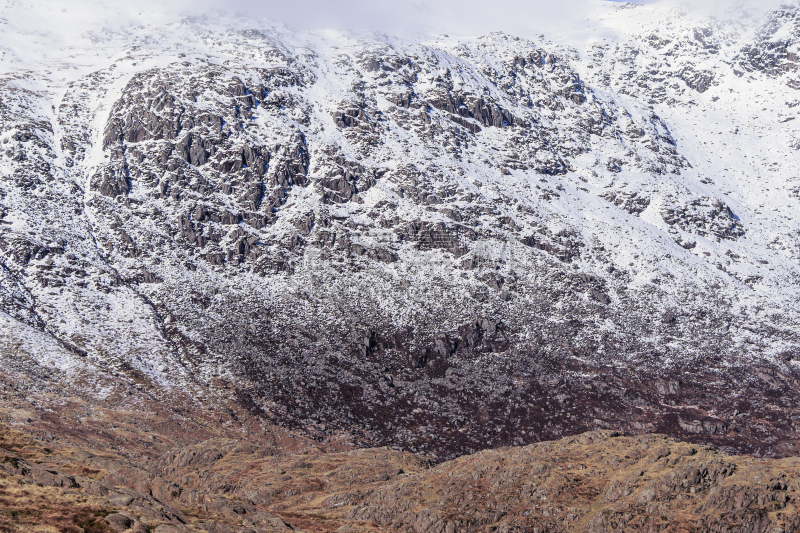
(255, 279)
(595, 482)
(222, 227)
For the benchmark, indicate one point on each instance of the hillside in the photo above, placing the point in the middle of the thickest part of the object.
(441, 246)
(598, 481)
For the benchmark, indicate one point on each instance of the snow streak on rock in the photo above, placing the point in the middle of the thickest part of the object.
(443, 246)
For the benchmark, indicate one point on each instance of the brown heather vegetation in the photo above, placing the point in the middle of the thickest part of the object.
(27, 507)
(595, 482)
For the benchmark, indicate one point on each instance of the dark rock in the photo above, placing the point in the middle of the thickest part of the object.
(119, 522)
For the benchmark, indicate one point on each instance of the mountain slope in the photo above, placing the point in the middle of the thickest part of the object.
(441, 246)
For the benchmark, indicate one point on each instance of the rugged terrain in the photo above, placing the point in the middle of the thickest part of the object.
(440, 246)
(598, 481)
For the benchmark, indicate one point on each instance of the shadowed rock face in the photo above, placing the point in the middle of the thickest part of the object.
(441, 248)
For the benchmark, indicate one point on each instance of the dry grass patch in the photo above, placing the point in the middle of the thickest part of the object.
(22, 445)
(31, 509)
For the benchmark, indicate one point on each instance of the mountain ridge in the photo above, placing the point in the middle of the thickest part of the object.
(441, 247)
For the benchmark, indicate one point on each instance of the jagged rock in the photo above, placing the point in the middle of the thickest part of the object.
(111, 181)
(255, 209)
(119, 522)
(699, 81)
(632, 202)
(705, 216)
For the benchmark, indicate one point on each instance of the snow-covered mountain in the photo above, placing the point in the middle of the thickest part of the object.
(443, 245)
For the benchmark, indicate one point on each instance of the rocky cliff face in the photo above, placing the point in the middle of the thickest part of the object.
(442, 246)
